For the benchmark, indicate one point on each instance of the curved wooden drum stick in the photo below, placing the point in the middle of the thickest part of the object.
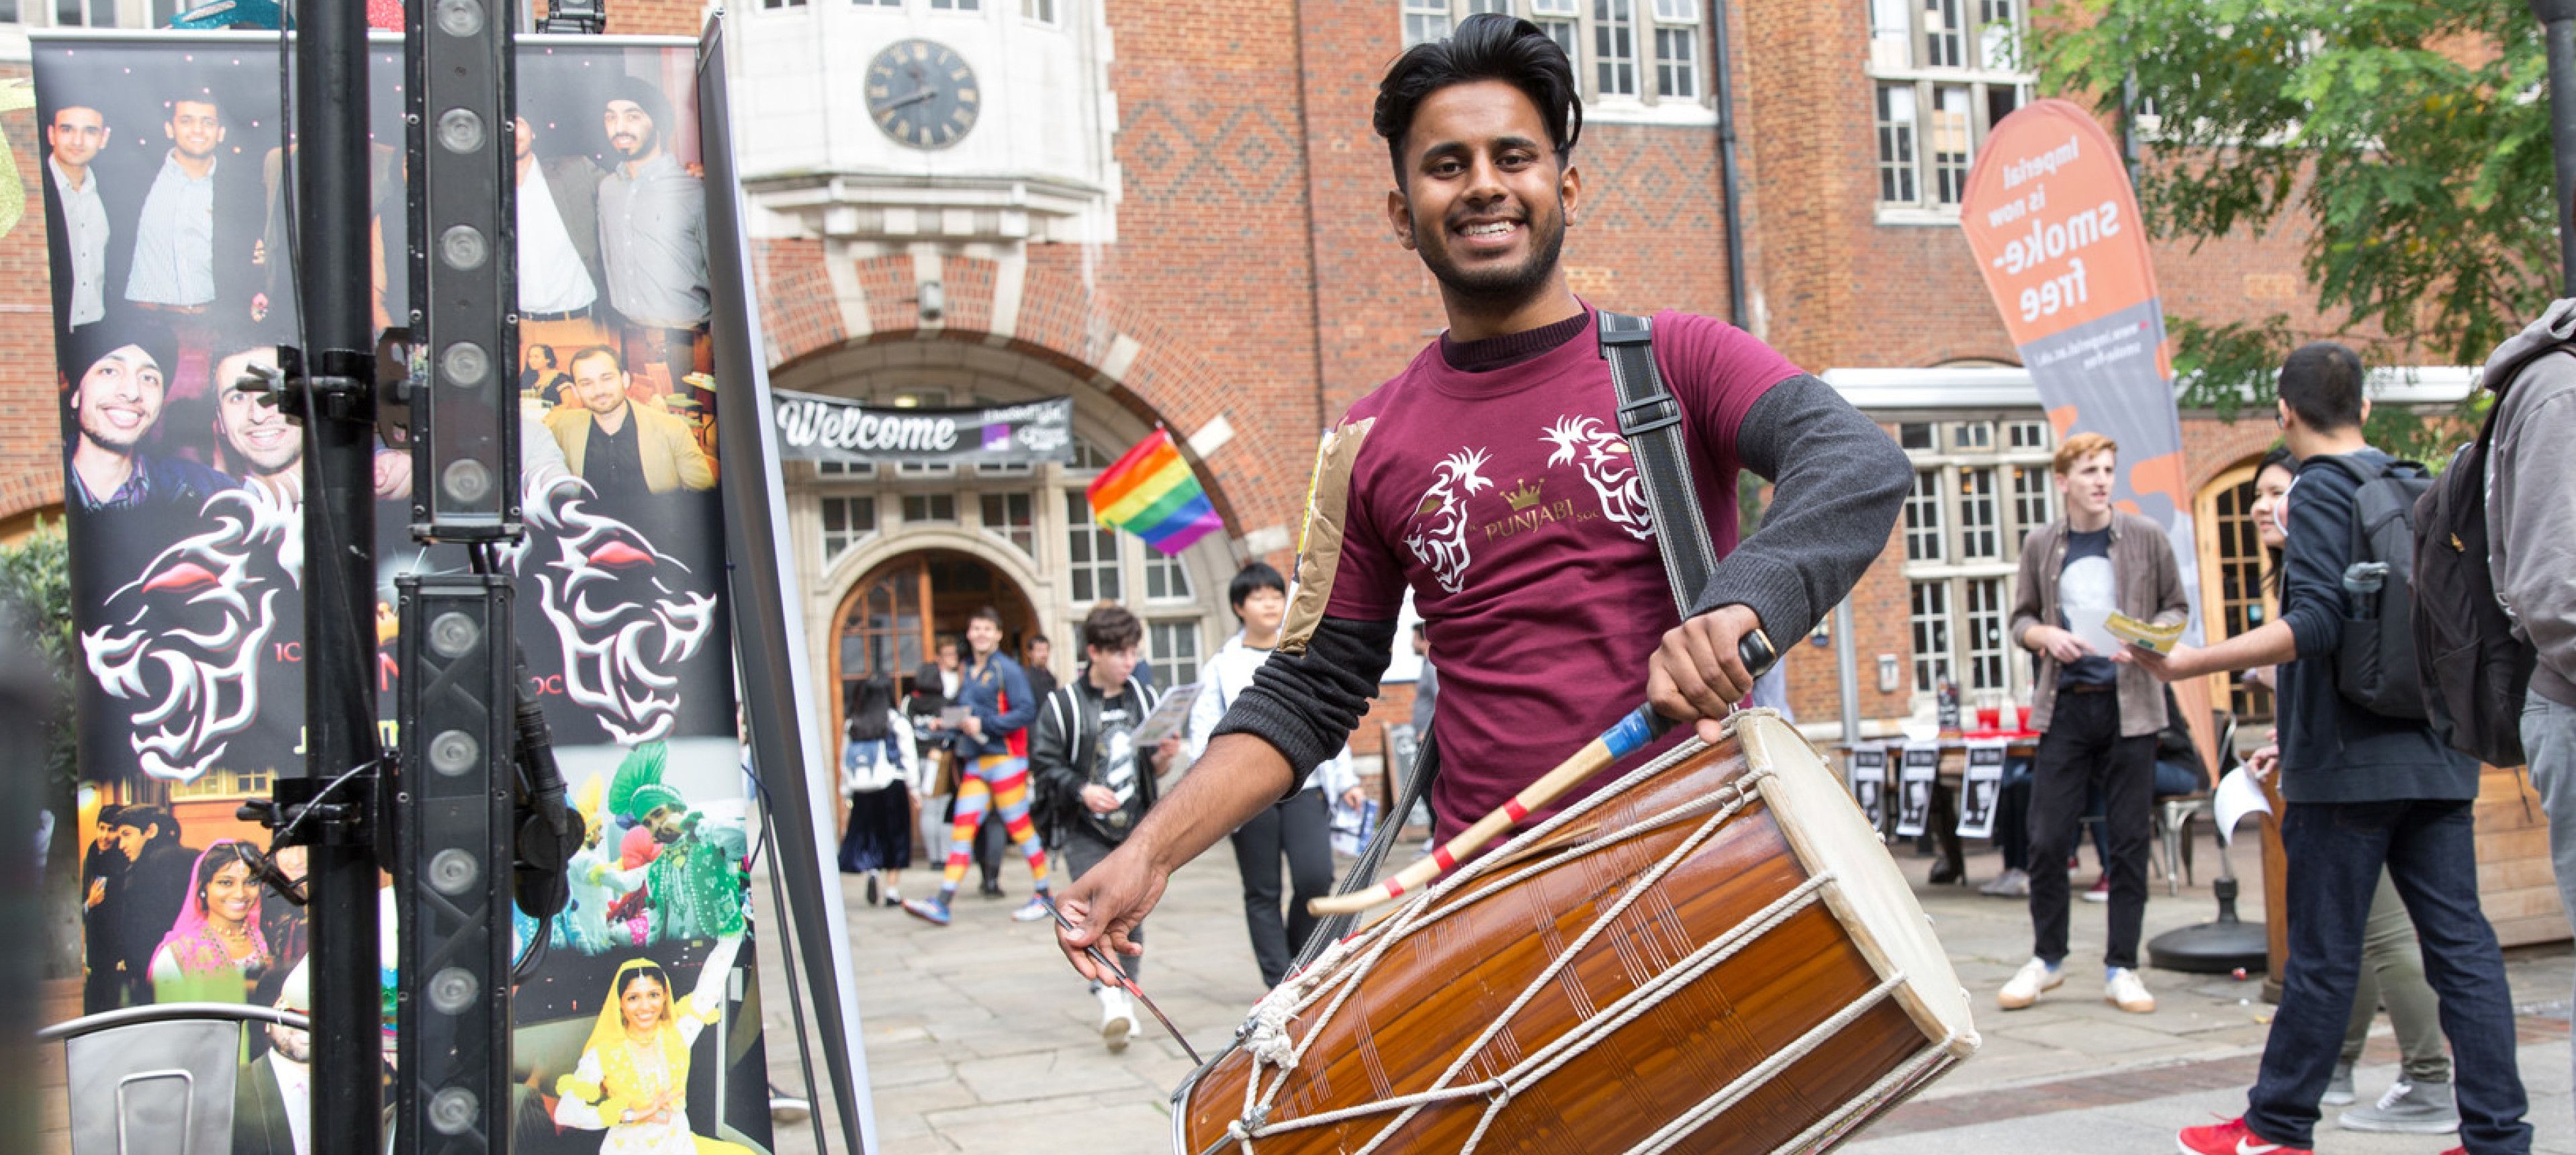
(1640, 726)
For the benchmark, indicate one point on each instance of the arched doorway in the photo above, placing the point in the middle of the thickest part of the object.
(894, 618)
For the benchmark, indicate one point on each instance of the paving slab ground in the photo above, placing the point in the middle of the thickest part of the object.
(979, 1039)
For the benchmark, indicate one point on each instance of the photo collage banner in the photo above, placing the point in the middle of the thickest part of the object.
(168, 194)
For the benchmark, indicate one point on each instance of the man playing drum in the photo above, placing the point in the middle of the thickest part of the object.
(1490, 478)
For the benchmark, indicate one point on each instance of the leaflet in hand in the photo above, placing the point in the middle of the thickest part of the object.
(1168, 717)
(2161, 639)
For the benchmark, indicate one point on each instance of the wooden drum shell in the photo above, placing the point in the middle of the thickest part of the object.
(1442, 985)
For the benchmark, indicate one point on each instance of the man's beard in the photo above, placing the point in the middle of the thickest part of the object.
(293, 1045)
(644, 145)
(1498, 288)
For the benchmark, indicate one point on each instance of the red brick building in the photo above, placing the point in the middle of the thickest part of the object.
(1173, 212)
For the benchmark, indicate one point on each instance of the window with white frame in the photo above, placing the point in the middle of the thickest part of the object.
(1980, 516)
(1973, 505)
(1987, 611)
(845, 470)
(2034, 499)
(877, 3)
(1091, 551)
(1930, 617)
(1944, 72)
(1923, 536)
(847, 521)
(1041, 11)
(1012, 517)
(1606, 40)
(1166, 578)
(930, 507)
(956, 5)
(1173, 647)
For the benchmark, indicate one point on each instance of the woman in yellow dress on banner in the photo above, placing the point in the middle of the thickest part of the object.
(633, 1078)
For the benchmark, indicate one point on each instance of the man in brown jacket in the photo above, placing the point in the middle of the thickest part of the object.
(2097, 718)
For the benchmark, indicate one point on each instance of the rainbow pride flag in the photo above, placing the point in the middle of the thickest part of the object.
(1150, 492)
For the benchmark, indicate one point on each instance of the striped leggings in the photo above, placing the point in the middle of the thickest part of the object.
(995, 780)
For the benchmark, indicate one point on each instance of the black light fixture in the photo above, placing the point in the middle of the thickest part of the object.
(465, 412)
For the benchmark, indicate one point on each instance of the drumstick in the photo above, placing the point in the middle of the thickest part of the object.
(1640, 726)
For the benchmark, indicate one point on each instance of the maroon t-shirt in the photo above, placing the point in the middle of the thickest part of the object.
(1509, 504)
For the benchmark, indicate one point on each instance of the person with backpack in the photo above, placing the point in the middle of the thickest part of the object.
(877, 777)
(2097, 720)
(2367, 787)
(2527, 474)
(1095, 785)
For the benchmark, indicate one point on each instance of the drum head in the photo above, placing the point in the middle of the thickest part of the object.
(1869, 894)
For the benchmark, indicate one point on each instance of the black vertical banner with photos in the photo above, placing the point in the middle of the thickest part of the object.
(168, 196)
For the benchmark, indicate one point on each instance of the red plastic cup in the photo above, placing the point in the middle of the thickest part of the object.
(1990, 719)
(2025, 720)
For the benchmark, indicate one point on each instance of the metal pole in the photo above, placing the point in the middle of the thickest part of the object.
(331, 190)
(1847, 671)
(2558, 29)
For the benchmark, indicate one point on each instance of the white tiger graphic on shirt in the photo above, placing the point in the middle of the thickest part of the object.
(1441, 543)
(1607, 466)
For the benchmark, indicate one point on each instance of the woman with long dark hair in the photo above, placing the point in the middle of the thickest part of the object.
(217, 929)
(876, 776)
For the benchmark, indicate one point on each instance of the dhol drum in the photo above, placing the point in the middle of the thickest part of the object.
(1714, 953)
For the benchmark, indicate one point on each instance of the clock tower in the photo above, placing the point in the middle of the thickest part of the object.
(895, 126)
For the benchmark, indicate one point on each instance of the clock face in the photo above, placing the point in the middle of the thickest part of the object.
(922, 94)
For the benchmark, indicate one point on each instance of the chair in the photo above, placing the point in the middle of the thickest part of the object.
(157, 1078)
(2174, 815)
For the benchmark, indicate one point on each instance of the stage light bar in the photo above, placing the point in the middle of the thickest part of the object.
(465, 426)
(454, 825)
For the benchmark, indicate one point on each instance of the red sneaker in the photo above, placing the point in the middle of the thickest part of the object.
(2230, 1138)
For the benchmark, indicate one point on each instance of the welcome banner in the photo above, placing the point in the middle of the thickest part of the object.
(812, 427)
(2053, 222)
(167, 191)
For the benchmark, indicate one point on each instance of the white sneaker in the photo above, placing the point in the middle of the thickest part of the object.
(2033, 977)
(1117, 1018)
(2124, 990)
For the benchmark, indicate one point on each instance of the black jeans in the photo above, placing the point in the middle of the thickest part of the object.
(1301, 828)
(990, 838)
(2430, 852)
(1083, 849)
(2083, 747)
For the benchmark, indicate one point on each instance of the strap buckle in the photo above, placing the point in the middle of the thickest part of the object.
(1666, 411)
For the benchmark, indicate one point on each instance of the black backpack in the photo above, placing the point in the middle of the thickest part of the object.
(2375, 665)
(2474, 670)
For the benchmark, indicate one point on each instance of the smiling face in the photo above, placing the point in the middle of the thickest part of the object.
(119, 398)
(1484, 200)
(984, 634)
(230, 896)
(599, 384)
(2087, 485)
(256, 435)
(195, 128)
(630, 130)
(642, 1004)
(75, 136)
(2271, 490)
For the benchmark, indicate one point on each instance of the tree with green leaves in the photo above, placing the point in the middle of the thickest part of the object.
(2411, 140)
(36, 606)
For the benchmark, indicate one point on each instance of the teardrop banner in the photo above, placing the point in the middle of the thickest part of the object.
(2053, 222)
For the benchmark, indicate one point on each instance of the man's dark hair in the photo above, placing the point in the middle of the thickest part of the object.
(593, 351)
(153, 818)
(1110, 628)
(2322, 384)
(1251, 579)
(985, 614)
(1486, 46)
(108, 814)
(1037, 640)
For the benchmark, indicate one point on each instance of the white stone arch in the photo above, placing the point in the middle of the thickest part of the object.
(874, 372)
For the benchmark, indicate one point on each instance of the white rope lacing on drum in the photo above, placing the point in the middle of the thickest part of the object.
(1750, 1081)
(1267, 1040)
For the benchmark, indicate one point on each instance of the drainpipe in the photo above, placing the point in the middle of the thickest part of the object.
(1721, 73)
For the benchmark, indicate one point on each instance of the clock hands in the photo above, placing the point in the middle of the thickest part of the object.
(915, 98)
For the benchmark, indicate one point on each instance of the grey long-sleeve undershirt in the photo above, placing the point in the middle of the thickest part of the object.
(1838, 481)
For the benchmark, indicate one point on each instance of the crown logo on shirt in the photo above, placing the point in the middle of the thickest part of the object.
(1525, 496)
